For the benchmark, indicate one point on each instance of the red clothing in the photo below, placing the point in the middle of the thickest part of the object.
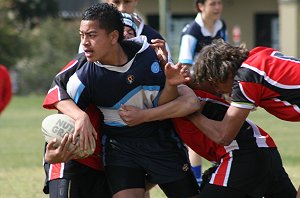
(58, 93)
(269, 79)
(250, 136)
(5, 88)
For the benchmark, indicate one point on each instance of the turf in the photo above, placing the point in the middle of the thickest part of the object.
(21, 147)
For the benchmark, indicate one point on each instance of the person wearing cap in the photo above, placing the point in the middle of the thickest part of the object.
(130, 26)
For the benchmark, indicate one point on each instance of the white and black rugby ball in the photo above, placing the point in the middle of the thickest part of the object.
(56, 126)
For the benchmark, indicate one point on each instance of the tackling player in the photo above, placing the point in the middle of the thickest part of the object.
(249, 166)
(261, 77)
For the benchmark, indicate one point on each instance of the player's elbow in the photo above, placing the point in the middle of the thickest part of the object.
(193, 104)
(224, 139)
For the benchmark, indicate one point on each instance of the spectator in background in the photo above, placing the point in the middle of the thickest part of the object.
(206, 27)
(5, 88)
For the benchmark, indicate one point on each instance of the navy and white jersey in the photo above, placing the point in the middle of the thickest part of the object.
(137, 83)
(195, 35)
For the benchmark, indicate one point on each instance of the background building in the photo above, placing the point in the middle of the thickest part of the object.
(274, 23)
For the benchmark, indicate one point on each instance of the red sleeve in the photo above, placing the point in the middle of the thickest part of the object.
(196, 140)
(5, 88)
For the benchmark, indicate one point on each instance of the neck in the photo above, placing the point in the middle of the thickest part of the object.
(208, 23)
(116, 57)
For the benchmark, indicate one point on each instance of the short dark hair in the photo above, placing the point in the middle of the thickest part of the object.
(196, 4)
(108, 16)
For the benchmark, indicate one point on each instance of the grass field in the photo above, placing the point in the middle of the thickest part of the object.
(21, 146)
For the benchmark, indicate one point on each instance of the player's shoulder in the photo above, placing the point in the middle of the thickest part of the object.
(223, 23)
(192, 28)
(151, 33)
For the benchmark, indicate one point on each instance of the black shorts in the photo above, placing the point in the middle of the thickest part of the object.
(83, 182)
(250, 173)
(160, 160)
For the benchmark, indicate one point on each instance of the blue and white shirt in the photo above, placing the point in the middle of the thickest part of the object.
(137, 83)
(195, 35)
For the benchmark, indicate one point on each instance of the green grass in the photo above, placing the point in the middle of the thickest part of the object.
(21, 147)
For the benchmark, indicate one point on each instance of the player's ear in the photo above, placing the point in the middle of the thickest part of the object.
(114, 36)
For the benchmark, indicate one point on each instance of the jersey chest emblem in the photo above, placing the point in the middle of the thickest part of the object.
(130, 79)
(155, 68)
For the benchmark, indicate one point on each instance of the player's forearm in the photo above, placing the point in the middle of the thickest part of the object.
(211, 128)
(69, 108)
(184, 105)
(168, 94)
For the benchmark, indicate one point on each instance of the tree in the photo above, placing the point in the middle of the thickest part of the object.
(30, 12)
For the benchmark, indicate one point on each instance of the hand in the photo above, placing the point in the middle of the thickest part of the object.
(193, 116)
(159, 46)
(131, 115)
(85, 130)
(177, 74)
(62, 153)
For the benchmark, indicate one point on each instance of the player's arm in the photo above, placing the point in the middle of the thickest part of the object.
(175, 75)
(59, 98)
(83, 126)
(222, 132)
(61, 153)
(185, 104)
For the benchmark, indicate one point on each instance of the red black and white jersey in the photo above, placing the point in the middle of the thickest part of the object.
(57, 93)
(269, 79)
(250, 136)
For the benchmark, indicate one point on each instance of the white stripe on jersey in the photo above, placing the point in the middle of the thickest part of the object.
(69, 67)
(143, 97)
(268, 79)
(260, 139)
(56, 87)
(75, 87)
(228, 170)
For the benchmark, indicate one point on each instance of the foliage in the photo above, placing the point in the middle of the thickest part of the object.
(30, 12)
(10, 43)
(50, 46)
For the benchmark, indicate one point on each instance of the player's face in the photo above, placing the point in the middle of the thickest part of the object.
(97, 43)
(211, 9)
(224, 87)
(127, 6)
(128, 32)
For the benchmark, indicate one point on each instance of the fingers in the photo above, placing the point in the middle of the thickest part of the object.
(51, 144)
(65, 143)
(158, 43)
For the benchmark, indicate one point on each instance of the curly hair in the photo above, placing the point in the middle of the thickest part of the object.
(217, 61)
(108, 16)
